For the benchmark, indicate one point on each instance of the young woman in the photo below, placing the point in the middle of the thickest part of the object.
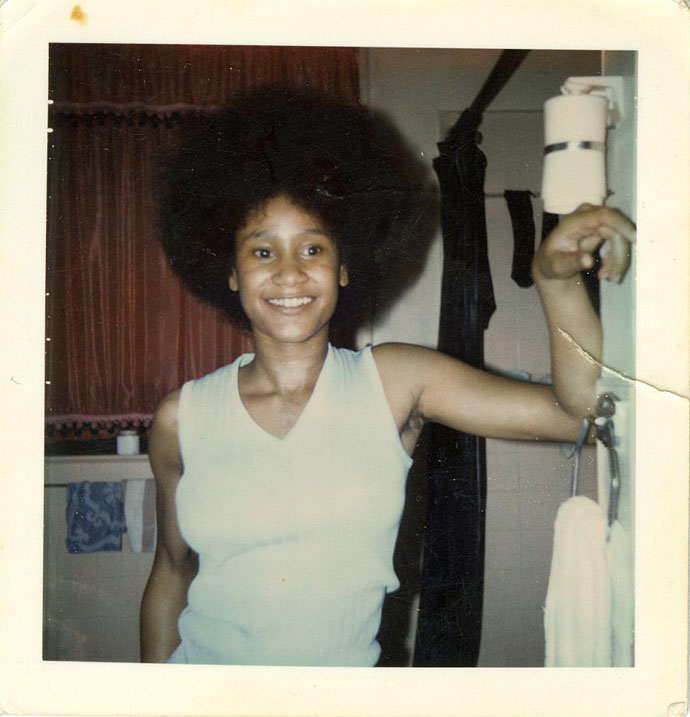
(281, 477)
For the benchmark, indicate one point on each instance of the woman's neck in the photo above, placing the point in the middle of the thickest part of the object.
(287, 367)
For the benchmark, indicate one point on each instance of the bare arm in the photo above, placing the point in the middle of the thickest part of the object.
(423, 385)
(174, 564)
(575, 333)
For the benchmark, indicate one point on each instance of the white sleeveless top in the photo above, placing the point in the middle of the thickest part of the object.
(295, 536)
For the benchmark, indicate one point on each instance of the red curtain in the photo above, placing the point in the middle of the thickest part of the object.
(121, 330)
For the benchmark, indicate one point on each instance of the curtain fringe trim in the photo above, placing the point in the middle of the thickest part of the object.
(96, 425)
(128, 109)
(91, 418)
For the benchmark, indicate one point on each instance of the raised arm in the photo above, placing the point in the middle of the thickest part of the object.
(575, 332)
(424, 385)
(174, 564)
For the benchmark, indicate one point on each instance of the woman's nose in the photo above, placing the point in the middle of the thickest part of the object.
(290, 271)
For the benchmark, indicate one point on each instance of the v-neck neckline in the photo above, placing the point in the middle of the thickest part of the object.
(246, 360)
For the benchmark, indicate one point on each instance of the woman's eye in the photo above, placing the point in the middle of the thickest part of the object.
(313, 250)
(262, 253)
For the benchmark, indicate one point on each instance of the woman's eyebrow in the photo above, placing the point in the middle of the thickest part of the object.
(258, 235)
(269, 233)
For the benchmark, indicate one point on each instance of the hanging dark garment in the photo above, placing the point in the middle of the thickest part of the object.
(522, 220)
(449, 625)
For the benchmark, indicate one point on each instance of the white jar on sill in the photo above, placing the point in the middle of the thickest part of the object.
(128, 443)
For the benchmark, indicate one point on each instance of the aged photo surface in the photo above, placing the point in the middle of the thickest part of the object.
(123, 333)
(435, 174)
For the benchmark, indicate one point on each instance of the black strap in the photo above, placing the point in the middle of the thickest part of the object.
(522, 218)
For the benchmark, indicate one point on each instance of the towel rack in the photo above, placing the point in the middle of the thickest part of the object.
(604, 432)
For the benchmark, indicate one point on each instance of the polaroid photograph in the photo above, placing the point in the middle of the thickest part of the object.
(346, 364)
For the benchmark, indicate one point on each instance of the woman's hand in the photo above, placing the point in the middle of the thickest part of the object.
(569, 248)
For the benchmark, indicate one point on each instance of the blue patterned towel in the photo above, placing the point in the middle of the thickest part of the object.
(95, 517)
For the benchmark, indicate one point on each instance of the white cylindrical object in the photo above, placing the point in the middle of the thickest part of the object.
(574, 152)
(128, 443)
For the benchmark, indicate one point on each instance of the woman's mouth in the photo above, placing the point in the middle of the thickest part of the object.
(291, 302)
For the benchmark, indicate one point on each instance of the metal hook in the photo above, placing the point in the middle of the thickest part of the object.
(604, 431)
(606, 435)
(606, 405)
(577, 450)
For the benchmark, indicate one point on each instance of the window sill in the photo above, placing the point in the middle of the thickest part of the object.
(61, 470)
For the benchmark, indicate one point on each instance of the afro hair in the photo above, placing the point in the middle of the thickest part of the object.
(335, 159)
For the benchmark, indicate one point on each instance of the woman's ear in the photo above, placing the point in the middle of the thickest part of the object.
(344, 276)
(232, 280)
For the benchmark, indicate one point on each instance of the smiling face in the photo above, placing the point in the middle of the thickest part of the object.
(287, 271)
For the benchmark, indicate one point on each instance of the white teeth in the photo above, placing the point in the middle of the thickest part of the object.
(291, 302)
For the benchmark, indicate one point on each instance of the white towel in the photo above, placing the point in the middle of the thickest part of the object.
(577, 618)
(140, 514)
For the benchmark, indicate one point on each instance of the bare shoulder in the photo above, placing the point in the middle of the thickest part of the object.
(399, 358)
(424, 376)
(402, 370)
(407, 365)
(164, 447)
(165, 415)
